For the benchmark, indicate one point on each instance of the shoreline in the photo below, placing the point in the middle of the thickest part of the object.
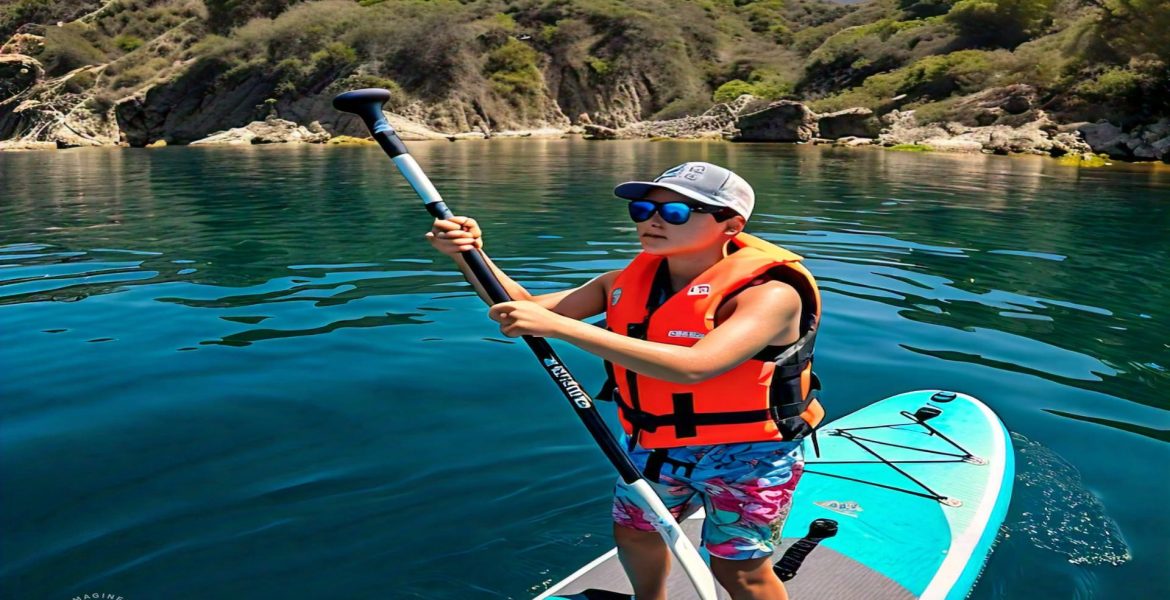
(548, 133)
(523, 135)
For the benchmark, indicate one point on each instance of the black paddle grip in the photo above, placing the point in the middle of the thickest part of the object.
(789, 564)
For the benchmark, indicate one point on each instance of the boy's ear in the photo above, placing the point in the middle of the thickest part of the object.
(734, 225)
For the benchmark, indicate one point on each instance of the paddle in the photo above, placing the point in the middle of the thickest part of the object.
(367, 104)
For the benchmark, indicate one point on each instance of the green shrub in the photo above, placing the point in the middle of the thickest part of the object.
(512, 69)
(1117, 82)
(910, 148)
(599, 66)
(733, 89)
(128, 43)
(999, 22)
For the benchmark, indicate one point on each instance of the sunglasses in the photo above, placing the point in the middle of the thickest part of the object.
(675, 213)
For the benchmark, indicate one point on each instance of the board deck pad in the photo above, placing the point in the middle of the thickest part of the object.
(897, 538)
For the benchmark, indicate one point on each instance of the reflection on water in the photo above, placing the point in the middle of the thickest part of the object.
(199, 368)
(1055, 512)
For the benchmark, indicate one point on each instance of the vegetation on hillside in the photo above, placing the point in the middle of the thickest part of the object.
(1088, 59)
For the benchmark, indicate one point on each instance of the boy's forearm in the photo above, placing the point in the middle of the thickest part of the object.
(660, 361)
(515, 290)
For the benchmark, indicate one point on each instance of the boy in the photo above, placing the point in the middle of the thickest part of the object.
(708, 346)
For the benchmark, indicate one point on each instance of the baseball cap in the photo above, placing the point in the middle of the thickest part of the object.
(700, 181)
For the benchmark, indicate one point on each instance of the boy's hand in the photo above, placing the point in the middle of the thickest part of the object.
(455, 235)
(521, 317)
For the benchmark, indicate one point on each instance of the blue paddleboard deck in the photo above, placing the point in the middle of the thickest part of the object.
(918, 484)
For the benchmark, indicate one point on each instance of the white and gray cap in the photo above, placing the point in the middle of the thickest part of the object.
(699, 181)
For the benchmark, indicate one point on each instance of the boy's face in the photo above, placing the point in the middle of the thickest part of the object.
(701, 231)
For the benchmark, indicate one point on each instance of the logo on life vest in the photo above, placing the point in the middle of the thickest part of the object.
(702, 289)
(676, 333)
(848, 508)
(617, 295)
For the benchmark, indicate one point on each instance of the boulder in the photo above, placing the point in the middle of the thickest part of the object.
(601, 132)
(18, 73)
(944, 144)
(1162, 147)
(851, 122)
(1038, 136)
(269, 131)
(23, 43)
(1105, 137)
(854, 141)
(780, 121)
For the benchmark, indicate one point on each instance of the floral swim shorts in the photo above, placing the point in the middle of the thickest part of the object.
(746, 490)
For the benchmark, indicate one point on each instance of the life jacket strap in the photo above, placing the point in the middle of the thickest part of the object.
(659, 458)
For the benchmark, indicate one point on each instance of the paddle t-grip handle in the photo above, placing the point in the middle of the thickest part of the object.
(789, 564)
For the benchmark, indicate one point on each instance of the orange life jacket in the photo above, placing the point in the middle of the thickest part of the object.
(771, 396)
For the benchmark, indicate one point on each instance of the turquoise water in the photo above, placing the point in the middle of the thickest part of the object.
(241, 373)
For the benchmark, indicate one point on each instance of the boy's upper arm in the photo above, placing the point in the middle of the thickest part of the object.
(762, 313)
(580, 302)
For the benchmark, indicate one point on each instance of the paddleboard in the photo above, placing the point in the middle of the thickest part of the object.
(918, 485)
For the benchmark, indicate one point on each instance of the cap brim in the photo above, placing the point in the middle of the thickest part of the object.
(637, 190)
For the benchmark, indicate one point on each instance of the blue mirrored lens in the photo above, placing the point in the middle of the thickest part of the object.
(641, 210)
(675, 213)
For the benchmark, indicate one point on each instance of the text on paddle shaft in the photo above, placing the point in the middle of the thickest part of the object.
(565, 380)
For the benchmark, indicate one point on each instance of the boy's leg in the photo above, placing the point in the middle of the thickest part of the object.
(750, 579)
(641, 550)
(747, 492)
(646, 560)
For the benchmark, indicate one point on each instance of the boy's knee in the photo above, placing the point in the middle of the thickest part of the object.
(736, 575)
(630, 537)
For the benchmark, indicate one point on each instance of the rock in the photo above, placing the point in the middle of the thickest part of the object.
(63, 110)
(1070, 143)
(545, 133)
(600, 132)
(952, 145)
(18, 73)
(583, 119)
(233, 137)
(851, 122)
(269, 131)
(1146, 152)
(467, 135)
(1018, 103)
(23, 43)
(15, 145)
(1162, 148)
(157, 144)
(854, 141)
(1105, 137)
(278, 131)
(1039, 136)
(780, 121)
